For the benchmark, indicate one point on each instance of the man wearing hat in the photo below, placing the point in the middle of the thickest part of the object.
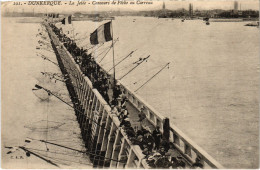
(157, 137)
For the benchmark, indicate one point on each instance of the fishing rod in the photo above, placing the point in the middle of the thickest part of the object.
(97, 48)
(117, 60)
(153, 76)
(52, 76)
(74, 75)
(64, 81)
(41, 35)
(46, 49)
(104, 50)
(101, 52)
(93, 46)
(50, 92)
(130, 54)
(30, 152)
(45, 58)
(59, 160)
(139, 62)
(142, 78)
(73, 149)
(43, 42)
(109, 49)
(66, 76)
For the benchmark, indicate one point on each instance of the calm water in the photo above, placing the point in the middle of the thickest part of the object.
(24, 114)
(210, 90)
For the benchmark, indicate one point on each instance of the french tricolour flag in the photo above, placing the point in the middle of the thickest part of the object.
(101, 34)
(66, 20)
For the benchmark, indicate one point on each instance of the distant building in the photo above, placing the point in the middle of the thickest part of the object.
(191, 10)
(235, 7)
(163, 7)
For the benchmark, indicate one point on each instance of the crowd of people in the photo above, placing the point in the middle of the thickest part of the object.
(153, 144)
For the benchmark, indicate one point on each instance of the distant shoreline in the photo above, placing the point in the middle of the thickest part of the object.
(232, 19)
(39, 19)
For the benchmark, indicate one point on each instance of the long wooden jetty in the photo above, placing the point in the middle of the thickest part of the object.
(107, 143)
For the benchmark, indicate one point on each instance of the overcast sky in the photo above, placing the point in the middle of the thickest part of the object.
(170, 4)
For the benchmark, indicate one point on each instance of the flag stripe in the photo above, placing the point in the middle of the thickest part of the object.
(94, 38)
(107, 31)
(69, 19)
(100, 34)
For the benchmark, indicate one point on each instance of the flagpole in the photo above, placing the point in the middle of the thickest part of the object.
(113, 57)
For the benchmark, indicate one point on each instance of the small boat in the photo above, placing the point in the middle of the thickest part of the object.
(206, 19)
(207, 23)
(182, 20)
(253, 24)
(97, 19)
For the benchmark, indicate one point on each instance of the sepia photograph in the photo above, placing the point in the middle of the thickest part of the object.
(130, 84)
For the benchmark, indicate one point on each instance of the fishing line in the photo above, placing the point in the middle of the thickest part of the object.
(129, 55)
(126, 67)
(39, 156)
(111, 61)
(142, 78)
(45, 58)
(80, 151)
(123, 68)
(55, 74)
(74, 75)
(43, 156)
(153, 77)
(52, 76)
(113, 45)
(70, 105)
(60, 159)
(41, 43)
(47, 50)
(95, 50)
(64, 81)
(137, 64)
(170, 87)
(60, 153)
(47, 122)
(104, 50)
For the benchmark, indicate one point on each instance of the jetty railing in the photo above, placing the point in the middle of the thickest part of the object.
(107, 142)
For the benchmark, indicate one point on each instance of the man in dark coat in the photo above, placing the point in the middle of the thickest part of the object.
(157, 137)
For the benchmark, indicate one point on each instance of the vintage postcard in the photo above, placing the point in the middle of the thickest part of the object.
(130, 84)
